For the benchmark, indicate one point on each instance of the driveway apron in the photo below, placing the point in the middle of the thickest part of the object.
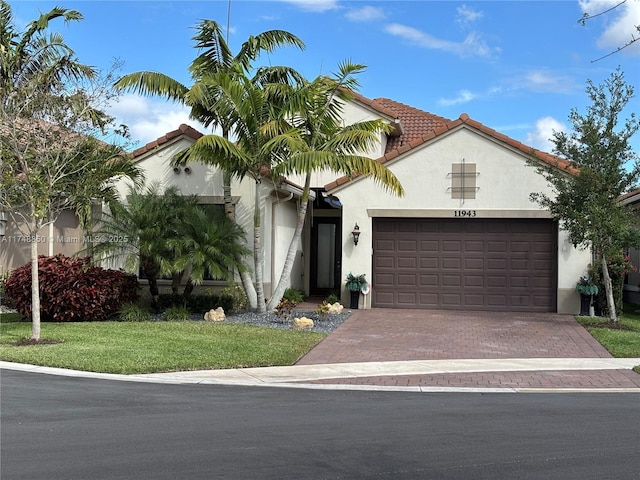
(381, 335)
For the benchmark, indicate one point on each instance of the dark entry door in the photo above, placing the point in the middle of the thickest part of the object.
(326, 255)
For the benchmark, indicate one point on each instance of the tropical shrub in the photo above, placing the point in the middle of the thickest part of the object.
(235, 296)
(293, 295)
(131, 312)
(71, 290)
(177, 314)
(194, 303)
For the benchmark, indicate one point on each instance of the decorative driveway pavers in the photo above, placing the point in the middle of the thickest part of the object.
(392, 335)
(397, 335)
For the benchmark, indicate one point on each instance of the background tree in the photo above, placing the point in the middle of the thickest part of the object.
(634, 35)
(604, 166)
(48, 115)
(216, 57)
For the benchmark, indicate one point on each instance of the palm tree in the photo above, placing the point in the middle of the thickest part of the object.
(207, 243)
(253, 110)
(136, 231)
(216, 57)
(317, 140)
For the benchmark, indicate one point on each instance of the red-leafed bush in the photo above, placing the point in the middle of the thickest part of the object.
(71, 290)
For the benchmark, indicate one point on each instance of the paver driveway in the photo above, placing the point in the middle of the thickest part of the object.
(391, 335)
(380, 335)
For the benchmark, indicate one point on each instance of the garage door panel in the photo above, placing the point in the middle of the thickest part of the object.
(385, 246)
(429, 280)
(407, 280)
(407, 246)
(492, 264)
(428, 300)
(451, 263)
(407, 262)
(382, 262)
(406, 299)
(429, 246)
(451, 280)
(428, 262)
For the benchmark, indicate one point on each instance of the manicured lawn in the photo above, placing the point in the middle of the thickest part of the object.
(623, 342)
(145, 347)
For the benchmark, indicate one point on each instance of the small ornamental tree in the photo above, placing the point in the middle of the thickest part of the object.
(604, 166)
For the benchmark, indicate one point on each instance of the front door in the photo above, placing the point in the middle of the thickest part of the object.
(326, 255)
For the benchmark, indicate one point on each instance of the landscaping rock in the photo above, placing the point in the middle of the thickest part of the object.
(216, 315)
(335, 308)
(302, 323)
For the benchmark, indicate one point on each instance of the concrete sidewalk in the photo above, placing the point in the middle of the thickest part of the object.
(371, 375)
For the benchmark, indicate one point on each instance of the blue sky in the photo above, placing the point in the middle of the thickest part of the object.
(516, 66)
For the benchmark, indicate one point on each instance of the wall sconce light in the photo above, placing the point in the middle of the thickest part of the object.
(356, 234)
(3, 224)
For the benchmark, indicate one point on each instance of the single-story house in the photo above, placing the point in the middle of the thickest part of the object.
(465, 235)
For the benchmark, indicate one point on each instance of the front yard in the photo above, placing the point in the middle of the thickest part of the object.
(145, 347)
(621, 341)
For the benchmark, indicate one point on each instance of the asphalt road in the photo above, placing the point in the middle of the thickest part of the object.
(74, 428)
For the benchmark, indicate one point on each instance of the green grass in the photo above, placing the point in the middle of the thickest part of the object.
(623, 342)
(146, 347)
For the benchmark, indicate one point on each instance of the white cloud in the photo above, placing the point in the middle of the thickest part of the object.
(464, 96)
(543, 81)
(149, 119)
(540, 138)
(467, 15)
(619, 24)
(314, 5)
(364, 14)
(472, 45)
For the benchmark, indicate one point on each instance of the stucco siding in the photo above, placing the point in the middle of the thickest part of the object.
(504, 184)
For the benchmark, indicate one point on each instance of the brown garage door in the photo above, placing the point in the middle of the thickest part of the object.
(470, 264)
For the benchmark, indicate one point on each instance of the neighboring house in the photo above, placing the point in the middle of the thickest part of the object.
(631, 290)
(62, 236)
(465, 235)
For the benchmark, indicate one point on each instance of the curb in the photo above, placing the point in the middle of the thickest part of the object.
(279, 377)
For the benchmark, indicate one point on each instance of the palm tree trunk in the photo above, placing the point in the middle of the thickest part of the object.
(258, 254)
(229, 211)
(283, 283)
(608, 288)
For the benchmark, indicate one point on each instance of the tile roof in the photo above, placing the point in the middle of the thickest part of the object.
(418, 128)
(441, 126)
(415, 123)
(183, 129)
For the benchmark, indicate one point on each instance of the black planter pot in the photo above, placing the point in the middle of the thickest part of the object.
(355, 296)
(585, 303)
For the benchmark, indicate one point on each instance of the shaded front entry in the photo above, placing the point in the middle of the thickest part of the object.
(326, 256)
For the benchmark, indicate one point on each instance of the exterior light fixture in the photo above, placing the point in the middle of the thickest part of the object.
(3, 224)
(356, 234)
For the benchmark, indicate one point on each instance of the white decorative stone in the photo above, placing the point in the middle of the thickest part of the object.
(216, 315)
(335, 308)
(302, 323)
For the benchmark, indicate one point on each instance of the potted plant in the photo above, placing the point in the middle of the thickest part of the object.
(587, 288)
(354, 284)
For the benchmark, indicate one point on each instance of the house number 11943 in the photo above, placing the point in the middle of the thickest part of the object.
(465, 213)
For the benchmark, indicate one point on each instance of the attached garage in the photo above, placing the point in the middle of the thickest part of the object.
(496, 264)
